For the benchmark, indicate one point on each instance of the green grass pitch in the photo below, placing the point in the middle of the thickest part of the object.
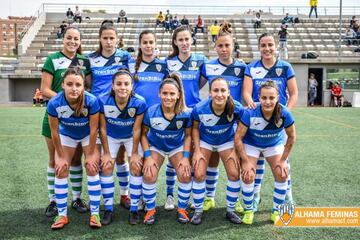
(325, 171)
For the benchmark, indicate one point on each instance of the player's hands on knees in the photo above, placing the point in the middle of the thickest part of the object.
(106, 161)
(61, 166)
(197, 158)
(251, 105)
(150, 167)
(184, 167)
(282, 169)
(233, 158)
(136, 162)
(92, 164)
(248, 172)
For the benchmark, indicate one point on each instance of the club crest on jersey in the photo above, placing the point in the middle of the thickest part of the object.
(278, 71)
(131, 112)
(158, 67)
(85, 112)
(286, 212)
(279, 123)
(179, 124)
(117, 61)
(230, 118)
(193, 65)
(81, 62)
(237, 71)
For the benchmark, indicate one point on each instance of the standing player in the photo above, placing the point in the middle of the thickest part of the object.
(188, 64)
(232, 71)
(105, 62)
(213, 131)
(258, 72)
(121, 115)
(261, 132)
(166, 131)
(148, 71)
(74, 119)
(51, 79)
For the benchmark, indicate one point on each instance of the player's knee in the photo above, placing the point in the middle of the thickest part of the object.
(279, 177)
(61, 172)
(233, 175)
(150, 177)
(182, 178)
(200, 175)
(107, 170)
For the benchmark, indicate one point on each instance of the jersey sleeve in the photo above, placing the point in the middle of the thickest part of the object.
(247, 71)
(142, 107)
(146, 120)
(189, 120)
(101, 105)
(288, 118)
(239, 110)
(195, 114)
(93, 105)
(51, 109)
(48, 66)
(245, 118)
(290, 73)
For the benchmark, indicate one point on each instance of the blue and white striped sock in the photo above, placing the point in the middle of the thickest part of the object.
(122, 172)
(212, 176)
(198, 190)
(247, 195)
(76, 173)
(260, 170)
(94, 189)
(61, 194)
(149, 195)
(170, 179)
(135, 192)
(107, 189)
(279, 194)
(232, 193)
(184, 191)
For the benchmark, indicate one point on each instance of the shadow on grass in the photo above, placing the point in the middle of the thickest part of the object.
(32, 224)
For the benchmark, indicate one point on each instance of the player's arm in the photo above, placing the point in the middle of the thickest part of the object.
(293, 93)
(106, 156)
(94, 124)
(247, 92)
(55, 136)
(46, 82)
(202, 82)
(137, 133)
(88, 82)
(239, 145)
(291, 133)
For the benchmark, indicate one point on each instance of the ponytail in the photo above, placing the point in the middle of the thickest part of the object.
(225, 29)
(175, 80)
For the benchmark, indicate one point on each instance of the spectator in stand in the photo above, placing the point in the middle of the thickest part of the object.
(199, 24)
(122, 16)
(168, 20)
(60, 33)
(184, 21)
(160, 19)
(313, 6)
(352, 21)
(77, 14)
(287, 20)
(257, 23)
(69, 15)
(336, 95)
(350, 35)
(37, 98)
(283, 53)
(214, 30)
(175, 23)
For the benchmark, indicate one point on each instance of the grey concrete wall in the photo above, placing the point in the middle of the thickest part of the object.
(301, 74)
(23, 89)
(4, 90)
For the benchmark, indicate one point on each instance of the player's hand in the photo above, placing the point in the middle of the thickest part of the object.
(92, 164)
(234, 158)
(251, 105)
(106, 161)
(284, 169)
(61, 166)
(184, 166)
(137, 160)
(150, 167)
(248, 172)
(197, 158)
